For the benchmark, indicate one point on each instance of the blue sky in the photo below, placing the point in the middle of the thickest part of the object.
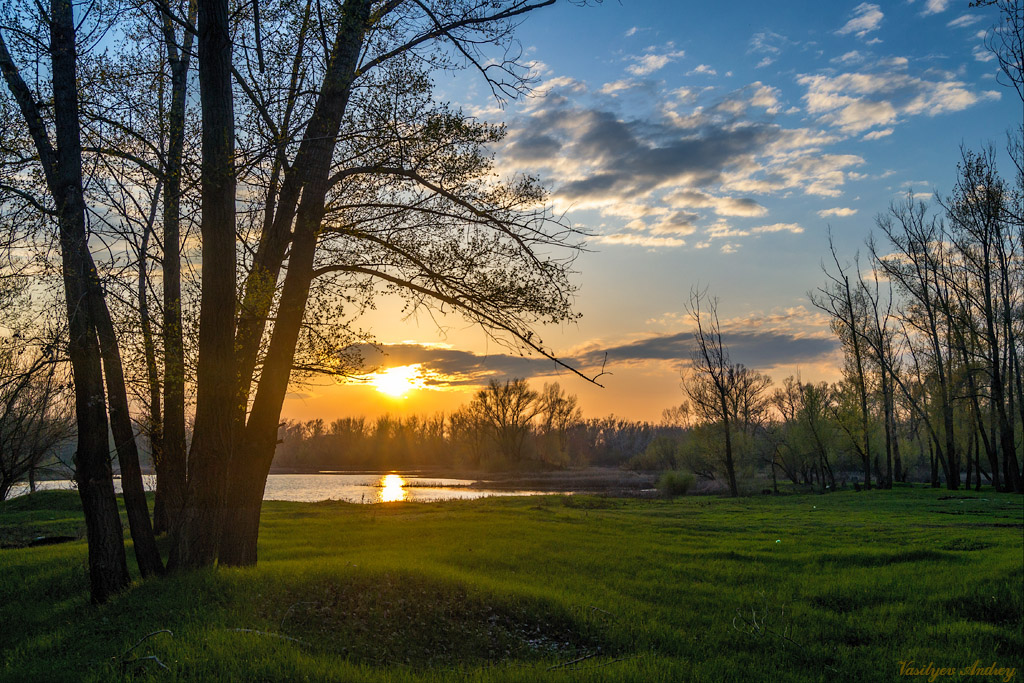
(713, 146)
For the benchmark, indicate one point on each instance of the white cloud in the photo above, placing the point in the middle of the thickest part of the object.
(983, 54)
(765, 61)
(876, 134)
(617, 86)
(765, 97)
(767, 42)
(632, 31)
(721, 230)
(837, 211)
(935, 6)
(850, 57)
(858, 101)
(653, 61)
(641, 240)
(729, 248)
(964, 20)
(702, 69)
(866, 18)
(777, 227)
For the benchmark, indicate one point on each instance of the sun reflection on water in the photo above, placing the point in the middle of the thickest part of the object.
(391, 488)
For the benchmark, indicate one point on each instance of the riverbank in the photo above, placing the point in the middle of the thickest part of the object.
(844, 586)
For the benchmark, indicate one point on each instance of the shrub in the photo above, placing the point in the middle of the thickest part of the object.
(675, 483)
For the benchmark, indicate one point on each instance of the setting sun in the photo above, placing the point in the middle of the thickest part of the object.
(399, 381)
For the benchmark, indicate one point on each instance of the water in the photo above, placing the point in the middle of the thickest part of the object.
(352, 488)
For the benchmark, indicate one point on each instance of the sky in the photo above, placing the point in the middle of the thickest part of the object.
(701, 147)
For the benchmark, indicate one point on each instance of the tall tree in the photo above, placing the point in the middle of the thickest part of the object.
(197, 536)
(62, 168)
(845, 304)
(723, 394)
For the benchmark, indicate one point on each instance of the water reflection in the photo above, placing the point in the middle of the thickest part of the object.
(353, 488)
(391, 488)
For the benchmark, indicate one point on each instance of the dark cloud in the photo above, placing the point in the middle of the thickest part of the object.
(630, 160)
(759, 350)
(457, 368)
(753, 349)
(534, 147)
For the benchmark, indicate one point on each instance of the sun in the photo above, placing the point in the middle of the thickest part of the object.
(399, 381)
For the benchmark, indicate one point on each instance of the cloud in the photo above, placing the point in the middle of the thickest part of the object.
(857, 101)
(702, 69)
(760, 349)
(695, 157)
(769, 43)
(641, 240)
(652, 60)
(983, 54)
(615, 87)
(631, 32)
(851, 57)
(935, 6)
(777, 227)
(676, 223)
(876, 134)
(866, 18)
(964, 20)
(443, 366)
(838, 211)
(722, 206)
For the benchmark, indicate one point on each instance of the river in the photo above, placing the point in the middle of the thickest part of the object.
(352, 488)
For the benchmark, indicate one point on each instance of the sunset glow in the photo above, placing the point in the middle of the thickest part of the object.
(399, 381)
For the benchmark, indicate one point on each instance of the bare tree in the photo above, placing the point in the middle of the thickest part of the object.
(507, 409)
(34, 419)
(730, 396)
(558, 411)
(845, 304)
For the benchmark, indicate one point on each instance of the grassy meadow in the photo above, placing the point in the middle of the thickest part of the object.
(847, 586)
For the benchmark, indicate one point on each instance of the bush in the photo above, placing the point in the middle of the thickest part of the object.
(676, 483)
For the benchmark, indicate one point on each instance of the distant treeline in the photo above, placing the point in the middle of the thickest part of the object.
(449, 442)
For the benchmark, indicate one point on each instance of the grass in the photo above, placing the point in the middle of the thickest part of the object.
(791, 588)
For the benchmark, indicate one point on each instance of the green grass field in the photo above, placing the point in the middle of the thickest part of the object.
(843, 587)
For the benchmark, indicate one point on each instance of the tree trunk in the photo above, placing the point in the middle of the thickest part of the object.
(730, 467)
(250, 466)
(249, 474)
(154, 430)
(171, 480)
(134, 493)
(108, 568)
(198, 536)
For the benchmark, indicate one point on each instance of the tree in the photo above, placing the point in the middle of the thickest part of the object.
(557, 413)
(93, 347)
(352, 181)
(33, 411)
(507, 408)
(730, 396)
(845, 304)
(385, 191)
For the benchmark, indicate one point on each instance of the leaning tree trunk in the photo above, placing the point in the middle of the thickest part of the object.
(251, 464)
(197, 537)
(143, 541)
(249, 474)
(108, 568)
